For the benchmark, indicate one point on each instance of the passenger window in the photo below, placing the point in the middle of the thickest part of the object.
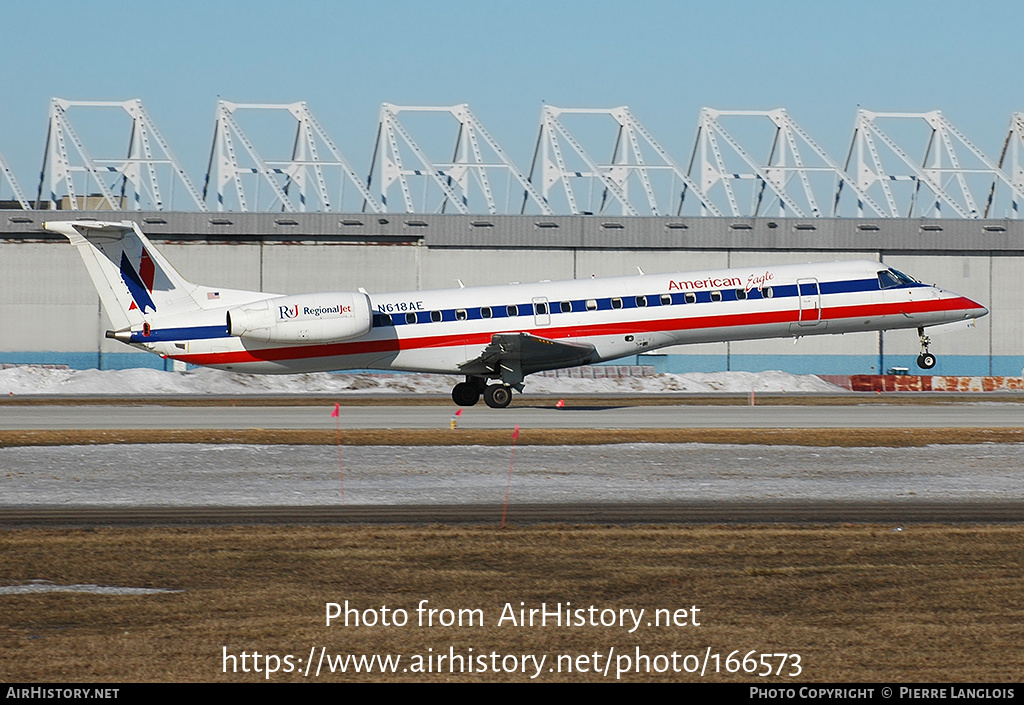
(566, 306)
(616, 303)
(741, 294)
(542, 309)
(435, 316)
(512, 310)
(666, 299)
(591, 304)
(641, 301)
(716, 296)
(385, 319)
(485, 312)
(410, 318)
(767, 292)
(460, 314)
(691, 298)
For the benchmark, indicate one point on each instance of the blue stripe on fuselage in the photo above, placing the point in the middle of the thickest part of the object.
(165, 335)
(170, 335)
(653, 300)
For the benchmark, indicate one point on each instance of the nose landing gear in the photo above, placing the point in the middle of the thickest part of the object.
(925, 360)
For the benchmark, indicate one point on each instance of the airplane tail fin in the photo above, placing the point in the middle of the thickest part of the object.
(134, 281)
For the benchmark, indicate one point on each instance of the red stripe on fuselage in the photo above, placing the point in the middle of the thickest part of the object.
(303, 352)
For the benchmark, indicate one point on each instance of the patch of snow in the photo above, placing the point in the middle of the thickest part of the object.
(210, 475)
(33, 587)
(28, 380)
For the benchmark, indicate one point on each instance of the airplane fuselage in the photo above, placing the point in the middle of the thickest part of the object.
(501, 333)
(443, 330)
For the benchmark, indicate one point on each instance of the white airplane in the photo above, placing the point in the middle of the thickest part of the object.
(501, 333)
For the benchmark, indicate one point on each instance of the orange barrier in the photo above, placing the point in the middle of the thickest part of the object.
(922, 383)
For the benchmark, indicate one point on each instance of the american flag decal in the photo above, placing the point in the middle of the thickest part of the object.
(211, 295)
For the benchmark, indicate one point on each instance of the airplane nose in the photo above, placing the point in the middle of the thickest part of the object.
(976, 309)
(970, 307)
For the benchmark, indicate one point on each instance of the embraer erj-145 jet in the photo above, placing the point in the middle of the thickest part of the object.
(491, 333)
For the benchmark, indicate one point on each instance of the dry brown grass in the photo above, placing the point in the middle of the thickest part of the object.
(825, 437)
(858, 603)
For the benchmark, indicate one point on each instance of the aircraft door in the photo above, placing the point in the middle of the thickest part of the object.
(809, 296)
(541, 311)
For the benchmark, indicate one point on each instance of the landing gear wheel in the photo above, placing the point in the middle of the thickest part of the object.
(465, 394)
(498, 396)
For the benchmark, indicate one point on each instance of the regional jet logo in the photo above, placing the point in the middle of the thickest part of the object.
(285, 313)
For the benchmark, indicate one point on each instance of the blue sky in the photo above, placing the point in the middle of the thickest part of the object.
(666, 60)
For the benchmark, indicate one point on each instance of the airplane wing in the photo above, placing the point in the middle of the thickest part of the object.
(514, 355)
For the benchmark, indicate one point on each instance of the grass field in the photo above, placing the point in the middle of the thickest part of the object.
(820, 437)
(856, 603)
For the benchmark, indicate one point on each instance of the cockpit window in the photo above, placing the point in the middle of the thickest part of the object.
(890, 278)
(887, 280)
(904, 279)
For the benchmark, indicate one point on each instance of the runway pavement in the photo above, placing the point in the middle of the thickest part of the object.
(604, 415)
(75, 486)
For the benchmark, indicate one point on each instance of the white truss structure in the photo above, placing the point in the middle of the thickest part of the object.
(638, 163)
(797, 179)
(743, 164)
(1013, 149)
(299, 183)
(464, 184)
(19, 196)
(131, 182)
(945, 180)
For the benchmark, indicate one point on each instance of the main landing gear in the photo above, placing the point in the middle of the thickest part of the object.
(925, 360)
(496, 396)
(465, 394)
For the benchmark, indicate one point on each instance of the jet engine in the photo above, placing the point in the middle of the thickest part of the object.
(303, 318)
